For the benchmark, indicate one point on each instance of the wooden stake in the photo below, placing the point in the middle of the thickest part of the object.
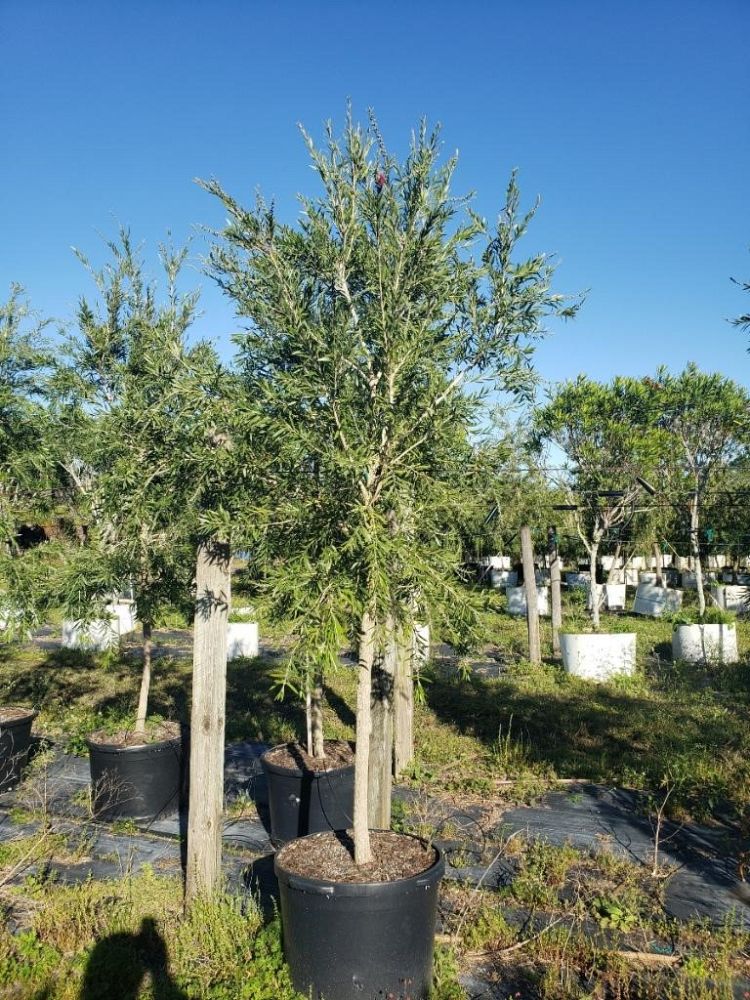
(362, 849)
(555, 593)
(529, 582)
(403, 707)
(381, 732)
(212, 602)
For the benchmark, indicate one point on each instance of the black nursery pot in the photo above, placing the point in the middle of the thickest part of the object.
(372, 939)
(301, 801)
(140, 782)
(15, 740)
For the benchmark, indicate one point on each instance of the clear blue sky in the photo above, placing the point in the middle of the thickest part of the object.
(630, 119)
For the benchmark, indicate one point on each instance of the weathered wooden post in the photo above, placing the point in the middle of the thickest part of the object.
(529, 582)
(554, 582)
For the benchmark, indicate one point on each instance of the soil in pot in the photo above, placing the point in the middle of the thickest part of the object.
(309, 794)
(359, 931)
(15, 740)
(139, 776)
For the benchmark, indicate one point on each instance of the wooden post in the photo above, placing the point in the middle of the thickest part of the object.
(362, 849)
(529, 582)
(206, 805)
(381, 732)
(403, 706)
(554, 583)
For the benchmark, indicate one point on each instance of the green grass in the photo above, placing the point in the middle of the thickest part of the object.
(103, 940)
(672, 725)
(581, 925)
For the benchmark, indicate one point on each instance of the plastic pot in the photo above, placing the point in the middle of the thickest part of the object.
(301, 801)
(15, 740)
(373, 939)
(140, 782)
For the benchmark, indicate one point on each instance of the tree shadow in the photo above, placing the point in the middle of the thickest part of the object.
(595, 733)
(119, 964)
(253, 706)
(259, 879)
(343, 711)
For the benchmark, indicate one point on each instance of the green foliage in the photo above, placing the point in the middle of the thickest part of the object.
(612, 914)
(373, 323)
(711, 616)
(86, 937)
(112, 406)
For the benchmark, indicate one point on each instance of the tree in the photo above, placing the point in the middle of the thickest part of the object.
(24, 460)
(608, 437)
(127, 352)
(369, 322)
(706, 422)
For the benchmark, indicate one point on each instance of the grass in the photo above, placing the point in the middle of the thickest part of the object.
(104, 940)
(676, 725)
(672, 726)
(582, 925)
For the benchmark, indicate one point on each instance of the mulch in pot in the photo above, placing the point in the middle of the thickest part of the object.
(10, 713)
(338, 753)
(156, 732)
(330, 857)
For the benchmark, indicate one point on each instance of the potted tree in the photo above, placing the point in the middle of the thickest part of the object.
(24, 476)
(367, 324)
(707, 638)
(705, 420)
(606, 433)
(310, 786)
(124, 360)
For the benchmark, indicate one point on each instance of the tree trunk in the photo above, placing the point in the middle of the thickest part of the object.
(614, 571)
(141, 714)
(381, 733)
(695, 551)
(555, 595)
(308, 718)
(212, 602)
(403, 712)
(362, 850)
(529, 582)
(659, 566)
(593, 592)
(316, 715)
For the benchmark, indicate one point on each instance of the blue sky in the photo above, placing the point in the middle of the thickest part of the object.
(630, 119)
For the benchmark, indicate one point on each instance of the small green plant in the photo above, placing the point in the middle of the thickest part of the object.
(696, 967)
(610, 914)
(711, 616)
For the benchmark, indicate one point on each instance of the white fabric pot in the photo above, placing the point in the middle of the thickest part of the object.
(615, 596)
(242, 640)
(517, 600)
(598, 656)
(94, 637)
(420, 646)
(705, 643)
(654, 601)
(124, 612)
(732, 598)
(495, 562)
(501, 578)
